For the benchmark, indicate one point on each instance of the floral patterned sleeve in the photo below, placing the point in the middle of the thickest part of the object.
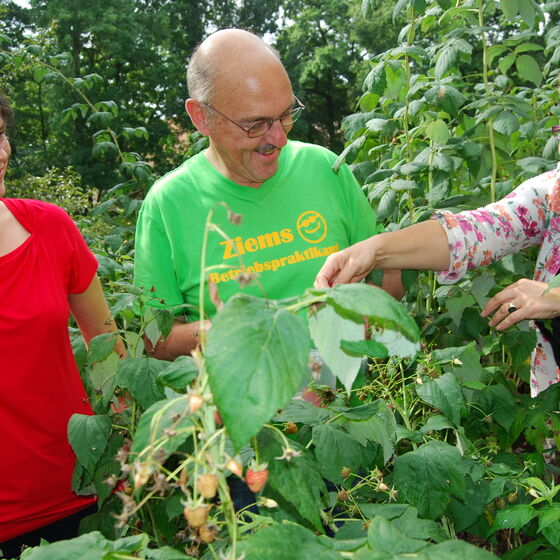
(479, 237)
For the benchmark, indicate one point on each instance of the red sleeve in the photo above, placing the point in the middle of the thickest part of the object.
(80, 263)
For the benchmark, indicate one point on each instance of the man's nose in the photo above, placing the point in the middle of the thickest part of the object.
(278, 134)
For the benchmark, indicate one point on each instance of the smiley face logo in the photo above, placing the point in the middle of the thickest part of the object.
(312, 226)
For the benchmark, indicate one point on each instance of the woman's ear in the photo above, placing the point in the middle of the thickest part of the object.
(198, 117)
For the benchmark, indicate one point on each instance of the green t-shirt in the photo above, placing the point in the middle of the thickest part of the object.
(288, 227)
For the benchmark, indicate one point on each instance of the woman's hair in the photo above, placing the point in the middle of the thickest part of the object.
(6, 112)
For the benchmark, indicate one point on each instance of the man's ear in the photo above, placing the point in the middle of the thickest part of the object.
(196, 113)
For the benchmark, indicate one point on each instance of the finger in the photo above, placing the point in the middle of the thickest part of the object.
(500, 314)
(494, 303)
(327, 274)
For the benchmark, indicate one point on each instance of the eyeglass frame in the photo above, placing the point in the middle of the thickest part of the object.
(269, 122)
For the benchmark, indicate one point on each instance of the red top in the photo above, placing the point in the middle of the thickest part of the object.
(40, 387)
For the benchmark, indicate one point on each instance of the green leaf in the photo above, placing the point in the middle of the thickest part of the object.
(387, 205)
(506, 123)
(504, 408)
(179, 374)
(164, 426)
(429, 476)
(287, 541)
(528, 13)
(327, 329)
(455, 550)
(140, 377)
(385, 537)
(438, 132)
(88, 436)
(548, 515)
(101, 346)
(297, 484)
(102, 148)
(334, 449)
(303, 412)
(443, 393)
(446, 58)
(510, 7)
(514, 517)
(360, 301)
(446, 97)
(528, 69)
(376, 80)
(437, 422)
(506, 62)
(349, 153)
(466, 513)
(370, 348)
(260, 350)
(380, 427)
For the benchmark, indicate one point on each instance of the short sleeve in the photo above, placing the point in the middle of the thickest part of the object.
(81, 263)
(363, 217)
(153, 260)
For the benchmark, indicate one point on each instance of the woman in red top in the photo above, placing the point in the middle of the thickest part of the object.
(46, 273)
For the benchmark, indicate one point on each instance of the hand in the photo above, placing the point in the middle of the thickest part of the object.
(524, 299)
(349, 265)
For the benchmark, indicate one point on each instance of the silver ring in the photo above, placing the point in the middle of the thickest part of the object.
(511, 308)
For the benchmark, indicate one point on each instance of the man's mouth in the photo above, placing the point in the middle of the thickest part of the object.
(266, 150)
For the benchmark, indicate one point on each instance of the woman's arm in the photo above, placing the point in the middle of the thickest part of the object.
(92, 314)
(420, 246)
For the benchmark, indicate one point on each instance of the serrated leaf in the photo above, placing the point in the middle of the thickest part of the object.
(429, 476)
(165, 426)
(349, 153)
(101, 346)
(528, 69)
(179, 374)
(386, 205)
(140, 377)
(359, 301)
(527, 12)
(301, 473)
(510, 8)
(271, 543)
(327, 329)
(384, 536)
(505, 123)
(303, 412)
(514, 517)
(334, 449)
(88, 436)
(445, 60)
(548, 515)
(455, 550)
(370, 348)
(261, 350)
(506, 62)
(376, 80)
(380, 428)
(438, 132)
(437, 422)
(443, 393)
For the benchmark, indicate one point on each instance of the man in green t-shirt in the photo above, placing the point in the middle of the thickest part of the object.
(253, 206)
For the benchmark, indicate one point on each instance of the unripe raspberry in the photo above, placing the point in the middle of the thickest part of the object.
(207, 485)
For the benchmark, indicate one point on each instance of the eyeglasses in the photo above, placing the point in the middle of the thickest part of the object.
(556, 132)
(260, 128)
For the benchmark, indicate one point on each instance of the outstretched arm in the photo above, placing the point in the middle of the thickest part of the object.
(422, 246)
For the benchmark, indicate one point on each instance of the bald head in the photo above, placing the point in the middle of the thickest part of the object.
(230, 59)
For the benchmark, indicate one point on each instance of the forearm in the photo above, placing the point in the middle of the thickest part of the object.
(422, 246)
(182, 340)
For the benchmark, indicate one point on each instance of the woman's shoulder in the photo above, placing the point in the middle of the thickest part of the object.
(37, 213)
